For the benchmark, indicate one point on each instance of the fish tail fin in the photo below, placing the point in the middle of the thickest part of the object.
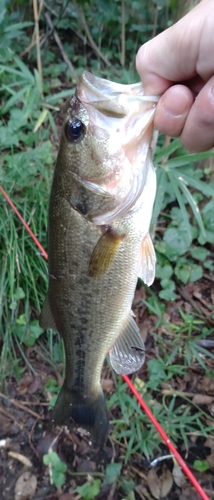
(82, 411)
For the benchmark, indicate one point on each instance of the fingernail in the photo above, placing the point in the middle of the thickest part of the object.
(176, 103)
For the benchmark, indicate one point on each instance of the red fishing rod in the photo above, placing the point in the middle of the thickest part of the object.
(139, 398)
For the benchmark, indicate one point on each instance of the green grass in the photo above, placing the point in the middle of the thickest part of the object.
(183, 224)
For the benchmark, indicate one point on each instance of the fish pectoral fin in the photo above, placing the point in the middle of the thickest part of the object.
(128, 352)
(46, 319)
(104, 252)
(147, 261)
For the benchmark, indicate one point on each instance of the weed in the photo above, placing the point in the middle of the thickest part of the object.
(57, 468)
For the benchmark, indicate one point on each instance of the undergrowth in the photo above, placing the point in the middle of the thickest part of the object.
(182, 224)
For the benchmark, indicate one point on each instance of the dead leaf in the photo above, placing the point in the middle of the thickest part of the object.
(25, 486)
(107, 384)
(67, 496)
(210, 460)
(24, 460)
(160, 486)
(210, 443)
(202, 399)
(178, 476)
(86, 466)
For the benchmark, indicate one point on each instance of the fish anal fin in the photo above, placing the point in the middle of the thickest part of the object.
(104, 252)
(128, 352)
(46, 319)
(147, 261)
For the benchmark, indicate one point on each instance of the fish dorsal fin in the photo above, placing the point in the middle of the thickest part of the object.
(128, 353)
(46, 319)
(147, 261)
(104, 252)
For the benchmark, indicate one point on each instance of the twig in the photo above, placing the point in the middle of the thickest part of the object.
(90, 39)
(22, 407)
(112, 491)
(166, 143)
(186, 296)
(39, 61)
(59, 43)
(155, 21)
(123, 41)
(34, 403)
(11, 417)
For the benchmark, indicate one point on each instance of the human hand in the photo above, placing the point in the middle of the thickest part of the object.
(179, 63)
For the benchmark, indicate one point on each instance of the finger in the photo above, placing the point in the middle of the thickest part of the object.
(172, 110)
(179, 53)
(198, 131)
(165, 59)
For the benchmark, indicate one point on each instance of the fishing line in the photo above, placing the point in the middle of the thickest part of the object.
(139, 398)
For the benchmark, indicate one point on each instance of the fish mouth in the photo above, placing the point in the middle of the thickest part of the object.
(111, 98)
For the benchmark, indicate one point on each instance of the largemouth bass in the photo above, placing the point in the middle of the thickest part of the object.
(100, 209)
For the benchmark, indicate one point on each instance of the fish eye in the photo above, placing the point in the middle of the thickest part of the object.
(75, 130)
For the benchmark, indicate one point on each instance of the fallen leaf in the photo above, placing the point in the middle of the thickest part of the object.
(67, 496)
(107, 384)
(160, 486)
(202, 399)
(210, 443)
(86, 466)
(24, 460)
(25, 486)
(210, 460)
(178, 476)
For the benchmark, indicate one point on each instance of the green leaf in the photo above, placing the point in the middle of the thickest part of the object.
(164, 272)
(201, 465)
(176, 242)
(175, 187)
(19, 294)
(161, 182)
(193, 205)
(52, 385)
(201, 186)
(156, 369)
(21, 320)
(208, 216)
(187, 159)
(33, 333)
(112, 472)
(199, 253)
(166, 151)
(167, 283)
(89, 490)
(16, 96)
(58, 468)
(196, 273)
(182, 273)
(26, 73)
(127, 485)
(167, 294)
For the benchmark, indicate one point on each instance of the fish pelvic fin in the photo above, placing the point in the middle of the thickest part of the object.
(128, 352)
(104, 252)
(147, 261)
(83, 413)
(46, 319)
